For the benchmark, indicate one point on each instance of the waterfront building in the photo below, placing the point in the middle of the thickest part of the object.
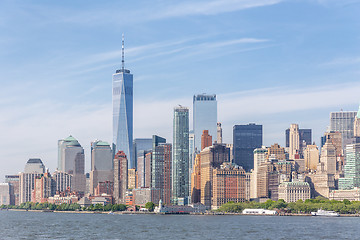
(351, 177)
(211, 158)
(5, 194)
(140, 145)
(144, 195)
(294, 191)
(341, 195)
(71, 159)
(59, 199)
(204, 116)
(101, 164)
(120, 177)
(245, 139)
(229, 184)
(33, 168)
(206, 139)
(311, 157)
(219, 133)
(44, 187)
(343, 122)
(180, 164)
(63, 181)
(132, 178)
(14, 182)
(106, 187)
(122, 98)
(196, 180)
(162, 171)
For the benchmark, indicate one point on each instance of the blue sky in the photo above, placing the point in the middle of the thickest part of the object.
(273, 62)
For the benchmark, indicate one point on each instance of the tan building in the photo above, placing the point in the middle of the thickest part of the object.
(311, 157)
(294, 141)
(340, 195)
(321, 183)
(44, 187)
(229, 184)
(277, 152)
(267, 181)
(260, 157)
(120, 177)
(211, 158)
(294, 191)
(132, 178)
(196, 180)
(328, 157)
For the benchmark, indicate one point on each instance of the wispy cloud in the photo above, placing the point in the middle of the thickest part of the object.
(342, 61)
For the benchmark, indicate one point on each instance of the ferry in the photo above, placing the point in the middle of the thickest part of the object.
(258, 212)
(324, 213)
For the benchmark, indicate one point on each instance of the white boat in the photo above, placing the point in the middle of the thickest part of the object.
(258, 212)
(325, 213)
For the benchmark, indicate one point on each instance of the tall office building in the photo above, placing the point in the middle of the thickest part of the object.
(328, 157)
(162, 171)
(63, 181)
(204, 116)
(180, 166)
(245, 139)
(276, 152)
(357, 124)
(352, 168)
(33, 168)
(14, 183)
(120, 177)
(260, 157)
(122, 97)
(294, 141)
(72, 160)
(311, 157)
(101, 164)
(144, 161)
(219, 133)
(144, 144)
(343, 122)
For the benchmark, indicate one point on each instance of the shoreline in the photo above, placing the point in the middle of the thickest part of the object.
(196, 214)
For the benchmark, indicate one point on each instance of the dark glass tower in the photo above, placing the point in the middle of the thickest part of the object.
(245, 139)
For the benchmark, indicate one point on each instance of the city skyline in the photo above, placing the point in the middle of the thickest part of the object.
(67, 87)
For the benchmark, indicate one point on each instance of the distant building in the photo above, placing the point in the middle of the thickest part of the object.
(4, 194)
(71, 160)
(204, 116)
(144, 195)
(180, 160)
(328, 157)
(229, 184)
(211, 158)
(140, 146)
(294, 191)
(311, 157)
(245, 139)
(341, 195)
(206, 139)
(277, 152)
(196, 180)
(305, 137)
(120, 177)
(14, 181)
(219, 133)
(33, 168)
(294, 141)
(162, 171)
(132, 178)
(63, 181)
(106, 187)
(144, 163)
(44, 187)
(101, 164)
(260, 157)
(343, 122)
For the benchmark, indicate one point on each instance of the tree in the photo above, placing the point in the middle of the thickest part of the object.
(150, 206)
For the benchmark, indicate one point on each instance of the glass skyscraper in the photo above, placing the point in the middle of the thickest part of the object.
(245, 139)
(141, 144)
(204, 117)
(122, 97)
(343, 122)
(352, 168)
(180, 166)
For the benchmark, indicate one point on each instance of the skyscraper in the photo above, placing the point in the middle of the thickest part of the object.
(120, 177)
(180, 166)
(245, 139)
(343, 122)
(219, 133)
(352, 168)
(33, 168)
(122, 97)
(304, 136)
(206, 139)
(101, 164)
(72, 161)
(204, 116)
(294, 141)
(139, 144)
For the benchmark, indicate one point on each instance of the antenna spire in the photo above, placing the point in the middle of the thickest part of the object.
(122, 54)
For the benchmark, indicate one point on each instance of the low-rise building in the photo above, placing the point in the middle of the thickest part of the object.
(341, 195)
(294, 191)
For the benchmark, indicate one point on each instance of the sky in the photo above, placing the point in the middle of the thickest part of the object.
(270, 62)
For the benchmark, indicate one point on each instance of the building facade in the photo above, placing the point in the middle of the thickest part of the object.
(294, 191)
(351, 177)
(120, 177)
(245, 139)
(180, 164)
(343, 122)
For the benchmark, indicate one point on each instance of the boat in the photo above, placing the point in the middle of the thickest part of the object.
(325, 213)
(111, 213)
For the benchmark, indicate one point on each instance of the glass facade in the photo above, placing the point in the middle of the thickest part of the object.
(245, 139)
(139, 144)
(122, 97)
(101, 156)
(304, 135)
(204, 117)
(343, 122)
(352, 168)
(180, 166)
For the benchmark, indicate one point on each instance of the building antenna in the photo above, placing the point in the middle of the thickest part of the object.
(122, 54)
